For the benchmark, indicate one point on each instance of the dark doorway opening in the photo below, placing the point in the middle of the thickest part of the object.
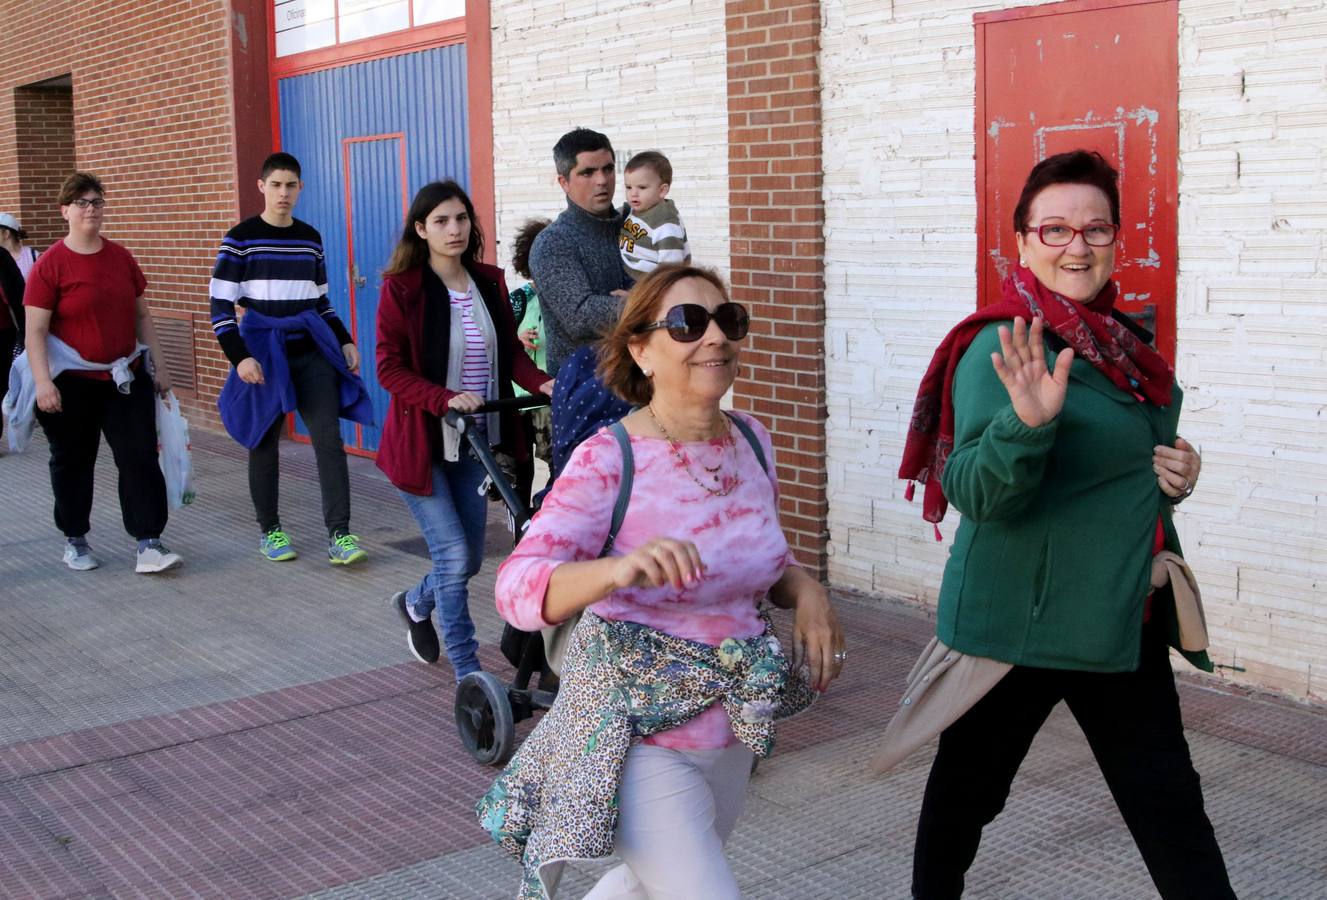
(44, 136)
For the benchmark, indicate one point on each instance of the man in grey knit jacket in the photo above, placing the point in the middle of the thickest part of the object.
(575, 260)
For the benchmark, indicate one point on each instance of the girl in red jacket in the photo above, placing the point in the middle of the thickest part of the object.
(446, 340)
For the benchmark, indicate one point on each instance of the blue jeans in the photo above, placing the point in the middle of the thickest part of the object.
(452, 519)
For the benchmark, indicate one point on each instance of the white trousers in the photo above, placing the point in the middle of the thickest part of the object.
(676, 810)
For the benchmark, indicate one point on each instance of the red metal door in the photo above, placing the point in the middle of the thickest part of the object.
(1098, 75)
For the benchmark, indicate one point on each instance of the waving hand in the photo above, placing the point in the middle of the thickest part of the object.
(1036, 393)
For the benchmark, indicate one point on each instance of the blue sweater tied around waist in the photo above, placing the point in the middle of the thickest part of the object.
(248, 410)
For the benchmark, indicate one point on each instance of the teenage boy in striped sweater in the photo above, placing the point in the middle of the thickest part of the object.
(289, 351)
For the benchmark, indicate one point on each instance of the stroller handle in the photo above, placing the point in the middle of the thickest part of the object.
(506, 404)
(466, 425)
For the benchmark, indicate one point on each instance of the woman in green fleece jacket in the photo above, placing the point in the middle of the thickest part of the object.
(1057, 443)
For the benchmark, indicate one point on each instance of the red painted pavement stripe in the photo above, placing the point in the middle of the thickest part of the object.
(316, 785)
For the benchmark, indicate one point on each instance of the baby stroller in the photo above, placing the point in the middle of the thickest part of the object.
(487, 710)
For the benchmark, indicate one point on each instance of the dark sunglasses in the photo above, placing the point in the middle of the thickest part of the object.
(687, 322)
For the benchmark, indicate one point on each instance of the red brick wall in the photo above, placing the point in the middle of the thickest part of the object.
(44, 134)
(153, 118)
(777, 231)
(252, 98)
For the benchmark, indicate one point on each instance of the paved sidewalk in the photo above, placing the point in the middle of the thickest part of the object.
(243, 729)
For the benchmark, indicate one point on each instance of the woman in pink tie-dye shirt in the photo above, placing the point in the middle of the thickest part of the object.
(698, 550)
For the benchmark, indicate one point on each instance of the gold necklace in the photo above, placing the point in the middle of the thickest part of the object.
(726, 484)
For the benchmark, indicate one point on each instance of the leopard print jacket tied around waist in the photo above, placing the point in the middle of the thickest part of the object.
(557, 798)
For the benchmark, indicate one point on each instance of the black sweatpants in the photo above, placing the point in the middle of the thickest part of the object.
(318, 398)
(8, 337)
(1132, 723)
(90, 408)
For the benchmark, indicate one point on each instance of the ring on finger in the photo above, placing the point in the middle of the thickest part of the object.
(840, 656)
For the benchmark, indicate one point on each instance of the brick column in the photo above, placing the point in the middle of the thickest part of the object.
(778, 247)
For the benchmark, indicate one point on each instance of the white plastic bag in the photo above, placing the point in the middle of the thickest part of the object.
(173, 452)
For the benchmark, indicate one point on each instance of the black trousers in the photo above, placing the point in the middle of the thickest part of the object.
(7, 339)
(1132, 723)
(318, 398)
(90, 408)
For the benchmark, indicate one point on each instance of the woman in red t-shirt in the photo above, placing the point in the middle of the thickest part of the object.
(86, 294)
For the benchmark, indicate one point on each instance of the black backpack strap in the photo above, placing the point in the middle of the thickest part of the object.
(624, 487)
(750, 439)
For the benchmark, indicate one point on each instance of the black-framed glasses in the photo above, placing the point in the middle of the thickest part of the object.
(1057, 234)
(95, 203)
(687, 322)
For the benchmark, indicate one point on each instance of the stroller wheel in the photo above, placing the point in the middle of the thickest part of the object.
(484, 718)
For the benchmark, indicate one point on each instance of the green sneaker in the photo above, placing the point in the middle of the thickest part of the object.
(275, 546)
(344, 549)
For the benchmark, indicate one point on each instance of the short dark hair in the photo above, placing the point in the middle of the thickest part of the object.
(520, 249)
(412, 251)
(617, 368)
(573, 144)
(651, 159)
(1074, 167)
(280, 161)
(77, 185)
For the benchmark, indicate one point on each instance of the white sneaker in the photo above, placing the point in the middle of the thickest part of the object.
(79, 557)
(156, 558)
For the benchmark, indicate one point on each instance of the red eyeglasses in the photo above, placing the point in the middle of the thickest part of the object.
(1057, 234)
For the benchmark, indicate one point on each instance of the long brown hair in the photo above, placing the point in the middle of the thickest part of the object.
(412, 251)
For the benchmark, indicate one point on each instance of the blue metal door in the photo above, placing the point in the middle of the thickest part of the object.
(377, 207)
(368, 136)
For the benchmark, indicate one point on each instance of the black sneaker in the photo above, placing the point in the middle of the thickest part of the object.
(421, 636)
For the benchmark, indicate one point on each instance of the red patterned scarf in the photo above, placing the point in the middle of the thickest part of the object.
(1090, 330)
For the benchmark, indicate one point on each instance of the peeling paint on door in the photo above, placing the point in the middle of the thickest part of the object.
(1131, 117)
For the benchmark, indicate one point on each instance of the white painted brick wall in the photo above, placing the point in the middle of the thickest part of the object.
(1252, 300)
(650, 77)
